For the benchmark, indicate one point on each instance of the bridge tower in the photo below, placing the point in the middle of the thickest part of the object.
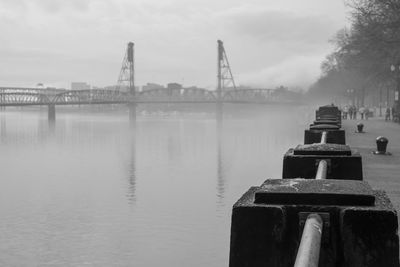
(126, 79)
(225, 77)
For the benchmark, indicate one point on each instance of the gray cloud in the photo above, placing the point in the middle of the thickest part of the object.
(50, 6)
(279, 26)
(175, 39)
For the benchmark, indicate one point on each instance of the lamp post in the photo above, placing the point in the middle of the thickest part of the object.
(380, 101)
(396, 71)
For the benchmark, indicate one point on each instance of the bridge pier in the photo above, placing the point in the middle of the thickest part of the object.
(51, 115)
(219, 112)
(132, 114)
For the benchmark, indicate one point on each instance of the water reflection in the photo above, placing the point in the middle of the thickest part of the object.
(132, 164)
(3, 130)
(220, 166)
(181, 172)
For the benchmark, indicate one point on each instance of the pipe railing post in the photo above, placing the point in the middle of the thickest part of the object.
(310, 244)
(324, 137)
(322, 170)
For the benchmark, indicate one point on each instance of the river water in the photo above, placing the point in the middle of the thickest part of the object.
(94, 191)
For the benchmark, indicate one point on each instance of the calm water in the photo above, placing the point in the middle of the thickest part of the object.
(93, 192)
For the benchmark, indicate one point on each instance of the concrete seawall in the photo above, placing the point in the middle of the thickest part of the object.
(352, 223)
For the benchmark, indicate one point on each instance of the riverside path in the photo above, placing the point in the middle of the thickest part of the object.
(380, 171)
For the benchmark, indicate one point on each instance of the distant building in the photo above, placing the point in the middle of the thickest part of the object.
(121, 88)
(174, 86)
(80, 86)
(151, 86)
(111, 87)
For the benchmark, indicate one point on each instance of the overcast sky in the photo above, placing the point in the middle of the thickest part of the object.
(268, 42)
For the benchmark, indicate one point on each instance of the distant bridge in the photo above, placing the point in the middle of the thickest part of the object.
(15, 96)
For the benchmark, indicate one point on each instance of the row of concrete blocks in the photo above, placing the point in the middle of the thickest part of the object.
(360, 224)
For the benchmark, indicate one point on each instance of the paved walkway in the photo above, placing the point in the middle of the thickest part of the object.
(382, 172)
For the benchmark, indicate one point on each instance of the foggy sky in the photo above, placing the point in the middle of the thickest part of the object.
(268, 42)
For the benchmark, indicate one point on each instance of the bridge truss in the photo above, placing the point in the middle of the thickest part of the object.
(125, 92)
(13, 96)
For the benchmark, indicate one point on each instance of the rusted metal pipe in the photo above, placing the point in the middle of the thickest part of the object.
(324, 137)
(322, 170)
(308, 253)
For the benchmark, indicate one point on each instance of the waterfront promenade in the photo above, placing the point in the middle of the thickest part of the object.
(382, 172)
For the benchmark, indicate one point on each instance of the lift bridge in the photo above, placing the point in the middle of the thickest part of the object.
(125, 93)
(14, 96)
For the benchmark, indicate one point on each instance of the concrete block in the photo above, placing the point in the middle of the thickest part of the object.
(369, 234)
(322, 149)
(328, 117)
(257, 233)
(268, 234)
(315, 192)
(334, 136)
(325, 121)
(328, 110)
(324, 127)
(339, 166)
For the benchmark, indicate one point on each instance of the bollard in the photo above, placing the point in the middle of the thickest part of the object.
(310, 244)
(381, 144)
(360, 127)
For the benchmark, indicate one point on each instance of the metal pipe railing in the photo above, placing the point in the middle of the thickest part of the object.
(310, 244)
(324, 137)
(323, 164)
(322, 170)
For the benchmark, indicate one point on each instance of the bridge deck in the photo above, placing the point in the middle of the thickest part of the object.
(32, 96)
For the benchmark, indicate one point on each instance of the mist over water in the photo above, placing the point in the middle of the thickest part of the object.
(94, 191)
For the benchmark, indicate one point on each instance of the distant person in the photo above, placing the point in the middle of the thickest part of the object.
(367, 112)
(362, 112)
(387, 114)
(345, 112)
(354, 113)
(393, 114)
(351, 112)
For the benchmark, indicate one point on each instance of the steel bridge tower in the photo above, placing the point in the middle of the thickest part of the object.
(225, 77)
(126, 79)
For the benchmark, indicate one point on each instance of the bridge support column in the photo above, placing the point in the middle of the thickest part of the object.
(219, 112)
(132, 114)
(51, 115)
